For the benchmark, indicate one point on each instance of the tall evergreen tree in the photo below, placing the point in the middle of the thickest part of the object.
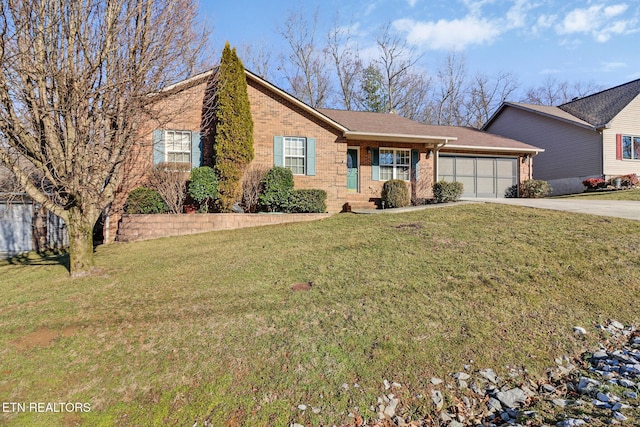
(373, 97)
(232, 129)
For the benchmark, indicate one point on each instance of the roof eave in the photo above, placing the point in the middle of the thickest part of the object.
(534, 150)
(584, 125)
(395, 137)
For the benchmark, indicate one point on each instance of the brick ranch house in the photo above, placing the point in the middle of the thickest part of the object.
(346, 153)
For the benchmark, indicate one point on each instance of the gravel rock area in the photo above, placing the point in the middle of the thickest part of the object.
(600, 388)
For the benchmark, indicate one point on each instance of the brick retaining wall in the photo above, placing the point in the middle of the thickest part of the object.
(145, 227)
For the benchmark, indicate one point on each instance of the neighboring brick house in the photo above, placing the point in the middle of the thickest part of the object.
(348, 154)
(593, 136)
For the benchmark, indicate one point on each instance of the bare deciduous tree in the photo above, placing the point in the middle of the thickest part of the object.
(485, 94)
(305, 66)
(555, 92)
(449, 101)
(258, 59)
(348, 66)
(396, 62)
(75, 79)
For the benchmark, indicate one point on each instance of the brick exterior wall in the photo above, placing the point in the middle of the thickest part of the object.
(144, 227)
(274, 115)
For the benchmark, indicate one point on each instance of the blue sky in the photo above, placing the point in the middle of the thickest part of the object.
(569, 40)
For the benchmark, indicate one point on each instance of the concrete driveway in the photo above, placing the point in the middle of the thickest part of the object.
(614, 208)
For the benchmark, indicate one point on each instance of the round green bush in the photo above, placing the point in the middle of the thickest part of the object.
(535, 189)
(395, 194)
(145, 201)
(278, 187)
(203, 186)
(444, 191)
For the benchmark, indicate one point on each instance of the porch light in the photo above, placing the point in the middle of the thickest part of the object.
(429, 151)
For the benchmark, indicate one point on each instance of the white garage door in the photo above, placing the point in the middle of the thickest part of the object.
(480, 176)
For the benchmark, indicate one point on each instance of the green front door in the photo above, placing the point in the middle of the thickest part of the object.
(352, 169)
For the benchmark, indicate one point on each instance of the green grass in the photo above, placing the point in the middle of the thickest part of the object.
(185, 329)
(633, 195)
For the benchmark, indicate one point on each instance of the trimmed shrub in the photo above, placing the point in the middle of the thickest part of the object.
(278, 186)
(594, 183)
(629, 180)
(444, 191)
(203, 187)
(308, 201)
(511, 192)
(145, 201)
(535, 189)
(395, 194)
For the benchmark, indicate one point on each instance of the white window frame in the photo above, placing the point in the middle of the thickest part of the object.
(634, 155)
(394, 165)
(288, 140)
(174, 151)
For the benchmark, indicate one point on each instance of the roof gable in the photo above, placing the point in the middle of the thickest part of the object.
(600, 108)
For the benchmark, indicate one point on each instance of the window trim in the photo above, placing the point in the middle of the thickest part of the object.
(635, 155)
(166, 146)
(303, 156)
(394, 165)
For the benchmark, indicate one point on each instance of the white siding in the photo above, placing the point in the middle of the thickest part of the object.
(570, 151)
(626, 122)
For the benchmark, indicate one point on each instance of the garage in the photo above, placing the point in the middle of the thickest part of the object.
(480, 176)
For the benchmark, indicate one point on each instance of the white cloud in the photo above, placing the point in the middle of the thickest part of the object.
(597, 20)
(612, 66)
(447, 35)
(412, 3)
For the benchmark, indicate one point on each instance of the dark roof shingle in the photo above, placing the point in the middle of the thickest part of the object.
(600, 108)
(381, 123)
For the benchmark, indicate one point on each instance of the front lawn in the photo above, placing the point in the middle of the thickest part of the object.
(179, 330)
(633, 194)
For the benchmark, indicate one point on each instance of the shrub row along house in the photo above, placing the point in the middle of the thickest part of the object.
(348, 154)
(594, 136)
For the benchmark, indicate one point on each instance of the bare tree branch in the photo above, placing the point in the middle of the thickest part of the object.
(75, 79)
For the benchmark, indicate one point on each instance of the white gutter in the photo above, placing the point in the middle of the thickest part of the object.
(395, 137)
(502, 149)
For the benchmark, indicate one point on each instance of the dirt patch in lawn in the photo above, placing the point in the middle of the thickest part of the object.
(43, 337)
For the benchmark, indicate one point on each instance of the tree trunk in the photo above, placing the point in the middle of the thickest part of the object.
(80, 228)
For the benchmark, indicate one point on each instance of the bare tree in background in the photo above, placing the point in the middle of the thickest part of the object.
(396, 63)
(449, 100)
(485, 94)
(305, 66)
(75, 78)
(258, 59)
(554, 92)
(347, 64)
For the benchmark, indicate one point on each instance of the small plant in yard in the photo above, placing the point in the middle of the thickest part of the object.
(535, 189)
(145, 201)
(278, 186)
(203, 187)
(444, 191)
(395, 194)
(252, 187)
(626, 181)
(170, 180)
(594, 183)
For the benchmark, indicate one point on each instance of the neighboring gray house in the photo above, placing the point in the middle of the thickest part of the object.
(594, 136)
